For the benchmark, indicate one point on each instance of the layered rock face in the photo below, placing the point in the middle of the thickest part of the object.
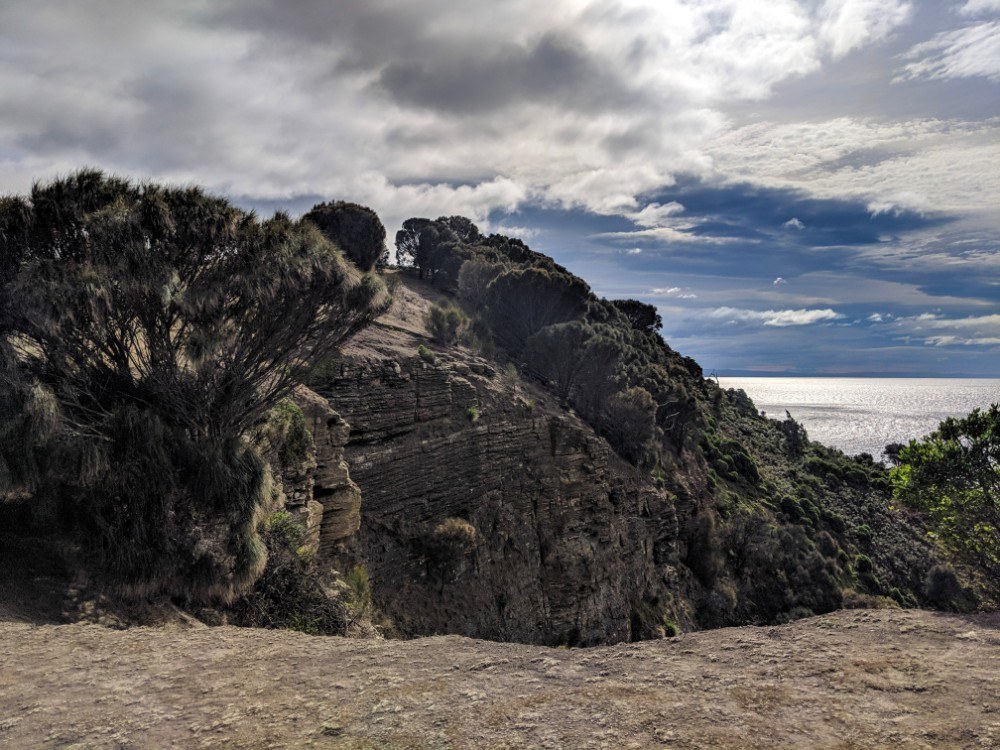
(488, 511)
(319, 493)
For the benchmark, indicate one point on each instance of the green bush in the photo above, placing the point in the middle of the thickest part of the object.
(359, 589)
(446, 323)
(290, 593)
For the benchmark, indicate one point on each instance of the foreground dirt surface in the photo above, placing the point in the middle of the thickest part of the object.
(854, 679)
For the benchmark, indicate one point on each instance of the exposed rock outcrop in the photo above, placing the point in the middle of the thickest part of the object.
(319, 492)
(569, 543)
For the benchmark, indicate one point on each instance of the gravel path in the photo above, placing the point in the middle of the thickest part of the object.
(854, 679)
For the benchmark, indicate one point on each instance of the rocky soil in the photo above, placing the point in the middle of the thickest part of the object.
(853, 679)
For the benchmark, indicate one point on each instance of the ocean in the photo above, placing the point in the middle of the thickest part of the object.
(863, 415)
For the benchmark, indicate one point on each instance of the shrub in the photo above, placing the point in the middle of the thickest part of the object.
(425, 354)
(290, 594)
(359, 590)
(520, 303)
(629, 421)
(447, 545)
(286, 430)
(474, 277)
(355, 229)
(704, 557)
(147, 316)
(941, 587)
(446, 323)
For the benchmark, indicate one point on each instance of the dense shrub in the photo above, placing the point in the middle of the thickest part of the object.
(942, 587)
(355, 229)
(446, 322)
(474, 276)
(629, 422)
(520, 303)
(141, 344)
(290, 592)
(953, 475)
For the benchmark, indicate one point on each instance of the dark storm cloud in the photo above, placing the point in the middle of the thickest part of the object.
(555, 68)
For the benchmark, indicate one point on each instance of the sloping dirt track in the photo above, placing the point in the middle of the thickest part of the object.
(853, 679)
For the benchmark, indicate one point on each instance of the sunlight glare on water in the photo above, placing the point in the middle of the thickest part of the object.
(863, 415)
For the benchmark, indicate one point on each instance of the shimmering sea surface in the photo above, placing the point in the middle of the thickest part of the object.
(863, 415)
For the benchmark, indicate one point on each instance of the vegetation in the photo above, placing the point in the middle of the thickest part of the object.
(151, 339)
(355, 229)
(778, 526)
(290, 593)
(446, 322)
(953, 475)
(141, 346)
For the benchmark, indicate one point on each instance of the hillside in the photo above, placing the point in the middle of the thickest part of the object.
(738, 518)
(871, 679)
(257, 422)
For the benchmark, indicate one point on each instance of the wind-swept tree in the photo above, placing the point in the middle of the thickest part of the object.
(151, 330)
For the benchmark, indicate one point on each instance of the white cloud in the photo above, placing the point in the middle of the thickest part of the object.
(849, 24)
(779, 281)
(524, 233)
(794, 223)
(886, 164)
(775, 318)
(936, 329)
(970, 51)
(977, 7)
(656, 215)
(875, 318)
(413, 108)
(633, 251)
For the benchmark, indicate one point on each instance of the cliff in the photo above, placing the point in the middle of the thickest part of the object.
(487, 510)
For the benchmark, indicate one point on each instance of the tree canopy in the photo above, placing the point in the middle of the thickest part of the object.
(953, 475)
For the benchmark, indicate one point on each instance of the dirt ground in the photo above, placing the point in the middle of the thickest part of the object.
(853, 679)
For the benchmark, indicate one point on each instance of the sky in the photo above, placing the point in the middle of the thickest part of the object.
(801, 187)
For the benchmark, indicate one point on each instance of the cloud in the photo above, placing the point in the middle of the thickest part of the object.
(775, 318)
(794, 223)
(849, 24)
(938, 330)
(976, 7)
(779, 281)
(875, 318)
(524, 233)
(423, 107)
(970, 51)
(879, 161)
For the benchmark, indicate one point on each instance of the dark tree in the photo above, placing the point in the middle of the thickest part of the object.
(558, 355)
(629, 422)
(355, 229)
(522, 302)
(463, 229)
(149, 330)
(641, 316)
(425, 245)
